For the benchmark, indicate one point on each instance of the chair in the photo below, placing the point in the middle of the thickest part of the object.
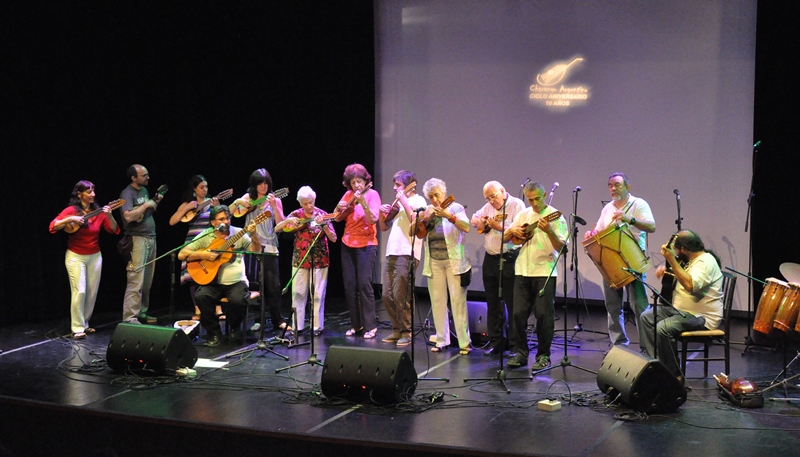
(707, 337)
(254, 301)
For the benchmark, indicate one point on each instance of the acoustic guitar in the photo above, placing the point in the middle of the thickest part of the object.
(395, 208)
(192, 213)
(668, 280)
(239, 210)
(204, 271)
(497, 218)
(73, 227)
(529, 229)
(422, 226)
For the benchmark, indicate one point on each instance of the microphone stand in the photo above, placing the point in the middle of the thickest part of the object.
(574, 267)
(565, 362)
(500, 374)
(261, 344)
(656, 297)
(748, 341)
(312, 358)
(410, 292)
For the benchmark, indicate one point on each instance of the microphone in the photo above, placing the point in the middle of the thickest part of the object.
(416, 210)
(527, 180)
(221, 228)
(631, 271)
(555, 185)
(579, 219)
(577, 189)
(757, 143)
(677, 193)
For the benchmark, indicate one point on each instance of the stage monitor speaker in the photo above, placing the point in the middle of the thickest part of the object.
(643, 383)
(358, 374)
(149, 349)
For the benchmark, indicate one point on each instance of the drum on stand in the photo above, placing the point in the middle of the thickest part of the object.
(613, 249)
(768, 305)
(786, 318)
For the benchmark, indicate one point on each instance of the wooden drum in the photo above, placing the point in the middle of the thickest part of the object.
(786, 318)
(768, 305)
(613, 249)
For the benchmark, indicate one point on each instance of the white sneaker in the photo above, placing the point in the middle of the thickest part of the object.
(256, 327)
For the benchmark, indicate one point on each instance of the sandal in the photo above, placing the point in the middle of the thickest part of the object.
(220, 317)
(79, 335)
(464, 351)
(352, 332)
(285, 327)
(89, 330)
(370, 334)
(436, 349)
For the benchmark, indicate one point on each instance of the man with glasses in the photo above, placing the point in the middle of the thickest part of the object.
(635, 213)
(230, 281)
(490, 222)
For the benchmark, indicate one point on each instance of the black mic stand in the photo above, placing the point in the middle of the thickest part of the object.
(500, 374)
(574, 267)
(565, 362)
(261, 344)
(748, 341)
(312, 358)
(410, 292)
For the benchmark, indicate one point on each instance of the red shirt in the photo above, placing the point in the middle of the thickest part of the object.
(86, 240)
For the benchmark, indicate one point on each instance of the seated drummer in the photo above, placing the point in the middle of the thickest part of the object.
(696, 300)
(624, 208)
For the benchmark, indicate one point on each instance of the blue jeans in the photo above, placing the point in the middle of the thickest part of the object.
(357, 267)
(671, 323)
(637, 296)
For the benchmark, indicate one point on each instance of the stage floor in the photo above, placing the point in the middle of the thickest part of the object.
(59, 398)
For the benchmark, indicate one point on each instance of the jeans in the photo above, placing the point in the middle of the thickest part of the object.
(671, 323)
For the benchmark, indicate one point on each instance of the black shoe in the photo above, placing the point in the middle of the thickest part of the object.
(145, 319)
(491, 352)
(234, 333)
(517, 361)
(213, 342)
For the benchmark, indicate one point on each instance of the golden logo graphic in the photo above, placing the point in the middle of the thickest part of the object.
(556, 73)
(551, 91)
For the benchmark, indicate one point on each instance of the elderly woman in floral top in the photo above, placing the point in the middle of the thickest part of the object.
(311, 256)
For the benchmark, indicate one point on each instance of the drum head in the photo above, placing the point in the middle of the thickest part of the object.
(790, 272)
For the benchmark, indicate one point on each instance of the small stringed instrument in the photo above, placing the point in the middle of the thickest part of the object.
(73, 227)
(353, 199)
(529, 229)
(422, 226)
(192, 213)
(497, 218)
(668, 280)
(204, 271)
(310, 220)
(395, 208)
(239, 210)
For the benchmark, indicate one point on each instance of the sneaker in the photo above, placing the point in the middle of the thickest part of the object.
(256, 327)
(393, 338)
(517, 361)
(542, 362)
(404, 341)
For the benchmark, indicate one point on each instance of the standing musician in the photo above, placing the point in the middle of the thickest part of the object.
(444, 227)
(138, 223)
(83, 259)
(696, 301)
(489, 221)
(635, 212)
(230, 281)
(543, 233)
(307, 222)
(265, 240)
(196, 194)
(398, 219)
(359, 207)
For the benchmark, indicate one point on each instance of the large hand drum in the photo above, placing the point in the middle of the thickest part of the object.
(613, 249)
(768, 305)
(786, 318)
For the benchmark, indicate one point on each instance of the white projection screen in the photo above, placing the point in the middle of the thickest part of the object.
(570, 91)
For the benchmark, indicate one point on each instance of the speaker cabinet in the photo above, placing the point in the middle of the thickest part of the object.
(641, 382)
(359, 374)
(149, 348)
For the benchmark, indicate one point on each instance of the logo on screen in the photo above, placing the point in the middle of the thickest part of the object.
(551, 90)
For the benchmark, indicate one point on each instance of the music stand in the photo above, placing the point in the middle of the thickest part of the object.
(261, 344)
(312, 358)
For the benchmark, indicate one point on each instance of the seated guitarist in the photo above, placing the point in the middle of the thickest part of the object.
(230, 281)
(535, 263)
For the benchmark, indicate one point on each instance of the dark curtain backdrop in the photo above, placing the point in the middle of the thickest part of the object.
(224, 88)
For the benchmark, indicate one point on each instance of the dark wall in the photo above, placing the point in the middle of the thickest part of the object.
(215, 88)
